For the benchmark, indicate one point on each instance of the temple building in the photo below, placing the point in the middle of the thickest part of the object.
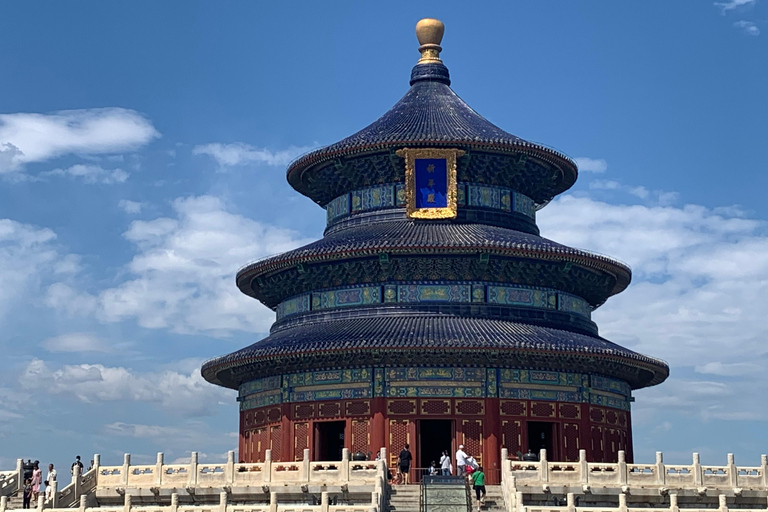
(432, 312)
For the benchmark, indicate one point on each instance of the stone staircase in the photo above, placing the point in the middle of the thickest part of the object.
(494, 500)
(16, 501)
(404, 498)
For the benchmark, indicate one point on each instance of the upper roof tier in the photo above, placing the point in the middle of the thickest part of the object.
(429, 115)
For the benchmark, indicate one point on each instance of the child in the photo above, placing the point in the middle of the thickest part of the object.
(433, 469)
(478, 483)
(27, 492)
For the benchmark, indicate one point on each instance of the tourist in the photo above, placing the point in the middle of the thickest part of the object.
(78, 464)
(405, 459)
(478, 483)
(445, 464)
(49, 482)
(27, 492)
(37, 479)
(433, 469)
(470, 467)
(461, 461)
(90, 466)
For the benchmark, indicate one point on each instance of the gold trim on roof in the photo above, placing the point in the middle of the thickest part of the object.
(450, 155)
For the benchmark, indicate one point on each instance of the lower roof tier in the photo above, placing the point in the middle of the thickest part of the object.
(265, 279)
(431, 340)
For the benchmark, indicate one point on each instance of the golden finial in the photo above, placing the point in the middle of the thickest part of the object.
(429, 32)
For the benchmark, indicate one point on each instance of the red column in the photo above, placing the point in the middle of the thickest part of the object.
(286, 429)
(378, 430)
(492, 441)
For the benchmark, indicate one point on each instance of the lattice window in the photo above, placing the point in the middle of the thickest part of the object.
(622, 418)
(571, 441)
(570, 411)
(245, 452)
(304, 411)
(399, 435)
(470, 407)
(362, 408)
(435, 406)
(512, 408)
(611, 445)
(511, 436)
(596, 414)
(260, 417)
(596, 438)
(329, 410)
(275, 442)
(611, 417)
(274, 415)
(542, 410)
(361, 440)
(401, 407)
(248, 419)
(260, 440)
(300, 440)
(472, 433)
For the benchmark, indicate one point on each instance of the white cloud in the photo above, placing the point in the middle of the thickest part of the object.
(239, 153)
(182, 276)
(130, 207)
(733, 4)
(91, 174)
(748, 27)
(659, 196)
(76, 342)
(31, 137)
(187, 395)
(697, 299)
(597, 165)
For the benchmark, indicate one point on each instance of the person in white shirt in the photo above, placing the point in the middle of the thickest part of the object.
(445, 464)
(461, 461)
(49, 482)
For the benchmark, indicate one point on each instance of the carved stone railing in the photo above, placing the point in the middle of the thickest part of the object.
(12, 481)
(622, 507)
(621, 474)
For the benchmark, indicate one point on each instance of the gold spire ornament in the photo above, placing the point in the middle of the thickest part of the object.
(429, 32)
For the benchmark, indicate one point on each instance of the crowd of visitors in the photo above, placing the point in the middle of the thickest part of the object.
(33, 480)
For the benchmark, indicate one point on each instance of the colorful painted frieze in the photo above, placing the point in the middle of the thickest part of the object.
(609, 401)
(543, 377)
(293, 306)
(433, 391)
(329, 377)
(525, 205)
(261, 400)
(371, 198)
(337, 393)
(258, 385)
(520, 296)
(610, 385)
(573, 304)
(486, 196)
(337, 208)
(433, 293)
(401, 199)
(550, 395)
(347, 297)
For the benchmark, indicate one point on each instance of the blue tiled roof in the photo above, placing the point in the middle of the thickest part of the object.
(430, 113)
(357, 340)
(405, 236)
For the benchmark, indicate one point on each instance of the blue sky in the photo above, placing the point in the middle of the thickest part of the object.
(143, 148)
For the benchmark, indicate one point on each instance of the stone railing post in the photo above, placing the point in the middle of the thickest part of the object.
(723, 506)
(622, 502)
(583, 467)
(222, 502)
(272, 502)
(621, 467)
(570, 502)
(324, 501)
(3, 503)
(519, 500)
(54, 493)
(83, 503)
(96, 465)
(697, 476)
(764, 469)
(41, 501)
(544, 465)
(19, 474)
(230, 469)
(159, 468)
(661, 471)
(383, 456)
(673, 503)
(267, 466)
(174, 502)
(192, 478)
(305, 466)
(733, 473)
(345, 476)
(127, 503)
(77, 481)
(126, 468)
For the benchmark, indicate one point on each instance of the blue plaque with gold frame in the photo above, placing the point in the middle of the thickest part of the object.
(430, 182)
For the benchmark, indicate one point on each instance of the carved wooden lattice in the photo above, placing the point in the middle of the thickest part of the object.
(274, 415)
(571, 441)
(360, 436)
(510, 408)
(399, 436)
(435, 406)
(329, 410)
(275, 442)
(260, 443)
(362, 408)
(596, 438)
(542, 410)
(260, 417)
(470, 407)
(401, 406)
(303, 411)
(570, 411)
(300, 440)
(611, 444)
(511, 436)
(596, 414)
(611, 417)
(472, 433)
